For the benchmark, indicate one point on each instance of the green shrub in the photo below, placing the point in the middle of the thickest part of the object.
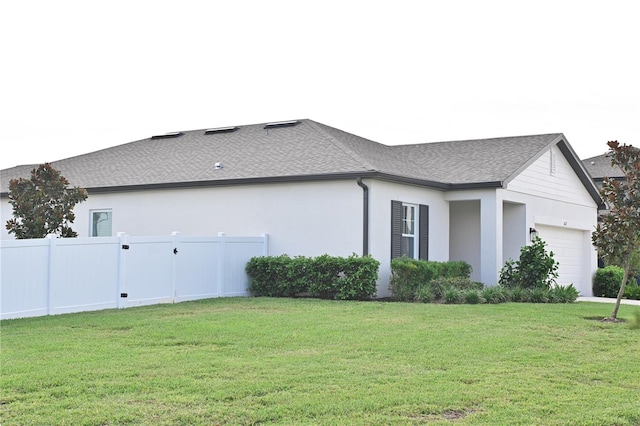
(453, 269)
(607, 281)
(352, 278)
(534, 269)
(632, 291)
(462, 283)
(323, 273)
(509, 277)
(439, 286)
(276, 276)
(408, 276)
(358, 278)
(405, 279)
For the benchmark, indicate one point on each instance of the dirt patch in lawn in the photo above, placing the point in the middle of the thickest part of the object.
(607, 319)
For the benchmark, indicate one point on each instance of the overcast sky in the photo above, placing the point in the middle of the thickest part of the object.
(79, 76)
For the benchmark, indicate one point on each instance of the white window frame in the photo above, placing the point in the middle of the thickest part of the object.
(416, 232)
(91, 221)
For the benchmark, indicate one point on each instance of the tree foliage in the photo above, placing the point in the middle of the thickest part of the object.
(617, 235)
(43, 204)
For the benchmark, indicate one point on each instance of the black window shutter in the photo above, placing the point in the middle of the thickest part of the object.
(424, 232)
(396, 229)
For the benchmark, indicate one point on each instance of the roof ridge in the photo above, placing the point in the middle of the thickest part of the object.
(341, 145)
(481, 139)
(596, 156)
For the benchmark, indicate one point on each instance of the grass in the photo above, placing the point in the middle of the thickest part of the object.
(281, 361)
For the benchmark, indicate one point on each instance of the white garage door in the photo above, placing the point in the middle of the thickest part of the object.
(569, 251)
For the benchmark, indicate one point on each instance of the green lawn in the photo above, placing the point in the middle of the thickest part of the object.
(282, 361)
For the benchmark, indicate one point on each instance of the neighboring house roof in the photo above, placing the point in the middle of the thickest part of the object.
(301, 150)
(600, 167)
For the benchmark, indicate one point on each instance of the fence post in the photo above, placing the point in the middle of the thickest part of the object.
(221, 264)
(174, 265)
(50, 269)
(123, 241)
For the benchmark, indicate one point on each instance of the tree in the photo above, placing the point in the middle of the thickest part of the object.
(617, 236)
(43, 204)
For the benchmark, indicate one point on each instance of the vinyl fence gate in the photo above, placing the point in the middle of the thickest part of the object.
(61, 275)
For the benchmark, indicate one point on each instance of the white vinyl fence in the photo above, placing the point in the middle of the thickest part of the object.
(60, 275)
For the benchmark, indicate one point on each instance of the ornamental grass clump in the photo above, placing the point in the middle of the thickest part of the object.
(473, 297)
(564, 294)
(632, 291)
(495, 294)
(424, 294)
(452, 296)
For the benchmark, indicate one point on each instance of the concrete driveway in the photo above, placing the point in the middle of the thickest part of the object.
(608, 300)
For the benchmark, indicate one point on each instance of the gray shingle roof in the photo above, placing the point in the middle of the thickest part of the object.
(304, 151)
(600, 167)
(475, 161)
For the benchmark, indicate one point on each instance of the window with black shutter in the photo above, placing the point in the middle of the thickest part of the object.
(409, 230)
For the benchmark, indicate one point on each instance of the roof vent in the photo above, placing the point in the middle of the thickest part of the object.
(218, 165)
(276, 124)
(593, 163)
(221, 130)
(168, 135)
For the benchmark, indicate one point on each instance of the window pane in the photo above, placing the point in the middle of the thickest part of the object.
(408, 227)
(408, 222)
(408, 212)
(101, 224)
(408, 247)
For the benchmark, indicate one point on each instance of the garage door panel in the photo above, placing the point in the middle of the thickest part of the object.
(568, 250)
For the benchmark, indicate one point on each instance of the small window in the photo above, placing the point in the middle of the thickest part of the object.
(101, 223)
(409, 227)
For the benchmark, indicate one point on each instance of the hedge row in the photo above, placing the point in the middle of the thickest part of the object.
(449, 282)
(325, 277)
(408, 276)
(500, 294)
(463, 290)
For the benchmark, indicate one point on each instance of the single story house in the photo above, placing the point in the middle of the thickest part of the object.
(316, 189)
